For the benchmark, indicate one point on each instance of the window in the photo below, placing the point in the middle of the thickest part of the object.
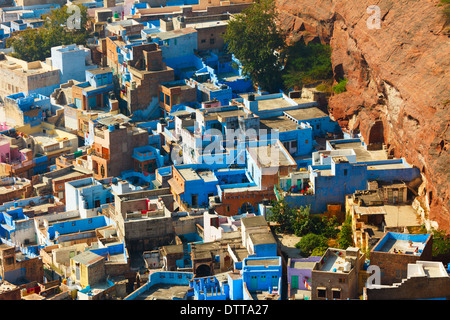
(336, 293)
(345, 172)
(211, 41)
(194, 199)
(203, 41)
(321, 292)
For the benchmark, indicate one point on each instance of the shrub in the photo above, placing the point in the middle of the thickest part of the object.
(310, 242)
(441, 243)
(306, 64)
(340, 87)
(345, 236)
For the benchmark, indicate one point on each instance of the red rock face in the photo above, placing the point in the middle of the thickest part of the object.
(398, 88)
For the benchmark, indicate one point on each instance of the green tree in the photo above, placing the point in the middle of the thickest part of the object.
(282, 214)
(310, 242)
(441, 243)
(345, 235)
(36, 44)
(306, 64)
(329, 227)
(319, 251)
(255, 39)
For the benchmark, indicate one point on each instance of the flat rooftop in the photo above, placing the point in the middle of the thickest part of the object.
(262, 262)
(262, 238)
(304, 263)
(333, 262)
(207, 24)
(101, 70)
(271, 156)
(231, 113)
(240, 253)
(400, 216)
(230, 76)
(306, 113)
(164, 292)
(255, 221)
(173, 34)
(280, 123)
(387, 166)
(72, 174)
(434, 270)
(361, 153)
(207, 175)
(275, 103)
(190, 174)
(401, 246)
(400, 243)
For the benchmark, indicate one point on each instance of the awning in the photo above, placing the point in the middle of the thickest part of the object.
(176, 188)
(321, 288)
(370, 210)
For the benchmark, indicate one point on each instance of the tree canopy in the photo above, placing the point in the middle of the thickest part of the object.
(312, 243)
(307, 63)
(255, 39)
(299, 221)
(35, 44)
(345, 236)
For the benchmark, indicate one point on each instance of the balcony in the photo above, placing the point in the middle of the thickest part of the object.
(104, 156)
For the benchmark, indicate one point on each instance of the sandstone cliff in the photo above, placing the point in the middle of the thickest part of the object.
(398, 86)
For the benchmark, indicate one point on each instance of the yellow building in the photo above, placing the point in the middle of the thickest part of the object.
(88, 269)
(49, 140)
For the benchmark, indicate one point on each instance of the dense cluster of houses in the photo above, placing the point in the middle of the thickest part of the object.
(145, 166)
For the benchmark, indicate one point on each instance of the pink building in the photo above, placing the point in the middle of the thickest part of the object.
(13, 160)
(4, 127)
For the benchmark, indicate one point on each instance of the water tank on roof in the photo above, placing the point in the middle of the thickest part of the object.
(251, 97)
(347, 266)
(111, 127)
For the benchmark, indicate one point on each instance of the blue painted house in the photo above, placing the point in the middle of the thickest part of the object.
(330, 183)
(86, 195)
(259, 277)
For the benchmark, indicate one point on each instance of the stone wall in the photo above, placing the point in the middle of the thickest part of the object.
(396, 77)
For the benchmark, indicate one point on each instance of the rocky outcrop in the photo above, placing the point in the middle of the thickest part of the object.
(398, 88)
